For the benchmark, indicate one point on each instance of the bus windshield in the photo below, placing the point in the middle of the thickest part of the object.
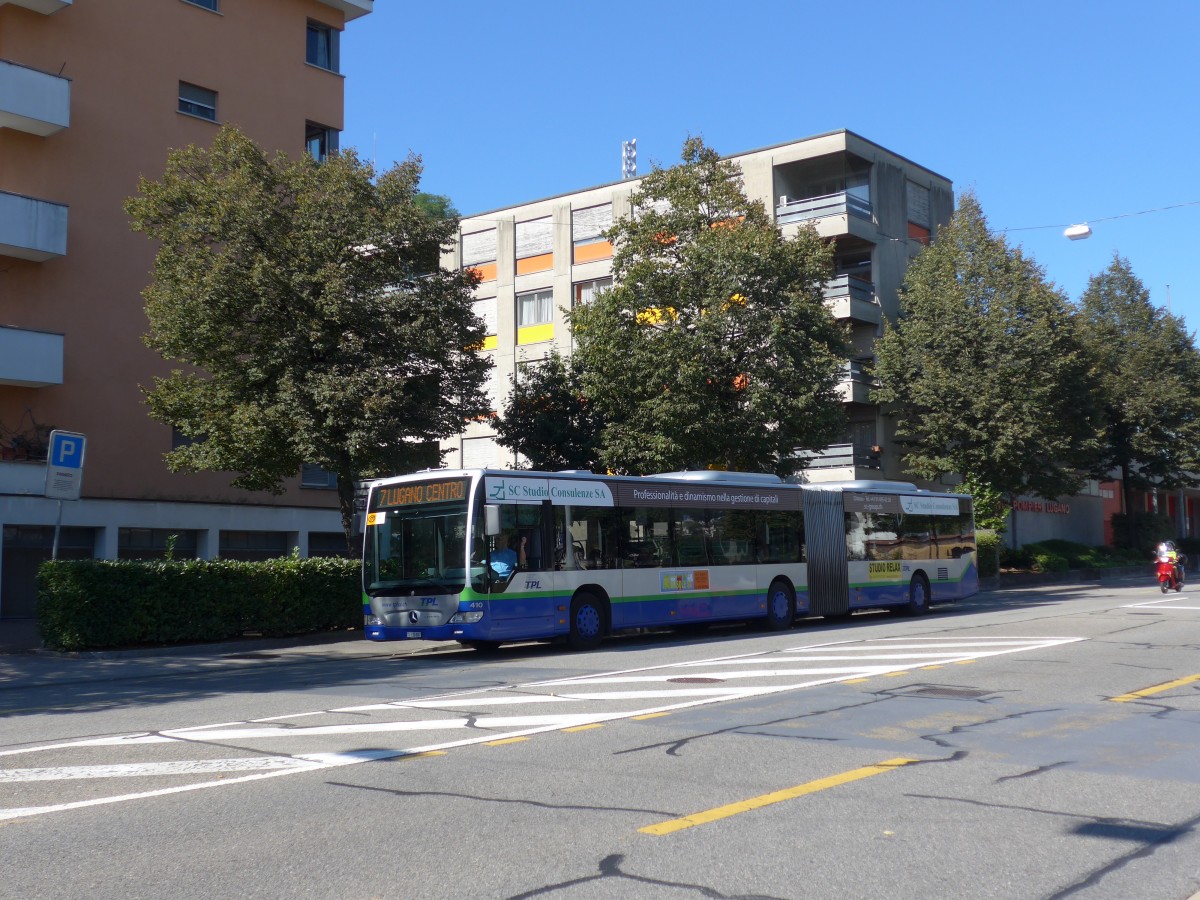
(416, 539)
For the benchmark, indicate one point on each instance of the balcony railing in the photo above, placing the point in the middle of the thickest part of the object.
(33, 101)
(851, 297)
(32, 229)
(855, 383)
(30, 358)
(839, 204)
(839, 456)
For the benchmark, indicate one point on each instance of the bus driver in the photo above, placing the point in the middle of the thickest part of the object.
(511, 558)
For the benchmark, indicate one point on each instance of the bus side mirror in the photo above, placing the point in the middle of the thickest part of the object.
(491, 524)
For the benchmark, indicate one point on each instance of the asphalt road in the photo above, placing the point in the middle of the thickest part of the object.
(1025, 744)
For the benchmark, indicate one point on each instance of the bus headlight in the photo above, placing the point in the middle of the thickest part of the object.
(372, 620)
(466, 618)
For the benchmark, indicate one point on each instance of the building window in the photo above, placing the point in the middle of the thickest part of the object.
(214, 5)
(313, 476)
(535, 308)
(534, 245)
(920, 222)
(327, 544)
(586, 291)
(488, 309)
(253, 546)
(479, 253)
(197, 101)
(320, 141)
(153, 543)
(322, 48)
(587, 233)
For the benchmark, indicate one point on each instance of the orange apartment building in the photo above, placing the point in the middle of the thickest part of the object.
(93, 94)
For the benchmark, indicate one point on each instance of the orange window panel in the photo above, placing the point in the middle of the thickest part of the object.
(918, 233)
(593, 251)
(487, 271)
(543, 262)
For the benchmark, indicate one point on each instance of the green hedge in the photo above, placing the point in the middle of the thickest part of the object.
(93, 604)
(987, 544)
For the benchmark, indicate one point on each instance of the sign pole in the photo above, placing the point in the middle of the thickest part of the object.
(57, 529)
(64, 473)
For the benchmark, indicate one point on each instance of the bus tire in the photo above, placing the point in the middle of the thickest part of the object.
(781, 606)
(589, 618)
(918, 596)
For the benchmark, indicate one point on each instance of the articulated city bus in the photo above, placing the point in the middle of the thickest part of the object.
(487, 556)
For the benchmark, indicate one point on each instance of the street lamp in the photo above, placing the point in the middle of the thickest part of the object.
(1078, 232)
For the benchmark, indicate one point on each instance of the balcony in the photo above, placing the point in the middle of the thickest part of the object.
(840, 204)
(32, 229)
(850, 297)
(855, 384)
(351, 9)
(839, 462)
(30, 358)
(45, 7)
(33, 101)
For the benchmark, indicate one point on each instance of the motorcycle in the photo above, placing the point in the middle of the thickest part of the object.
(1169, 575)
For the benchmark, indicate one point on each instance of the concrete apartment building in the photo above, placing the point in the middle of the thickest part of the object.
(878, 208)
(93, 94)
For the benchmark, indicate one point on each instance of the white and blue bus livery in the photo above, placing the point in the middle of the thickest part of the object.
(603, 554)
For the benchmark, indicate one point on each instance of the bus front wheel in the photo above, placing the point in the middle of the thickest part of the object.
(781, 606)
(918, 596)
(587, 622)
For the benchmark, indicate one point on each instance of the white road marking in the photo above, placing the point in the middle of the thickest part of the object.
(507, 726)
(1161, 602)
(138, 770)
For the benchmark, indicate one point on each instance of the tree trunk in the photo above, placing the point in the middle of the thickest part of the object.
(345, 489)
(1127, 504)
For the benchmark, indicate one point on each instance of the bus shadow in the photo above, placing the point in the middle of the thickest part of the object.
(47, 685)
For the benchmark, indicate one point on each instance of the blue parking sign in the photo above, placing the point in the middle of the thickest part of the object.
(66, 450)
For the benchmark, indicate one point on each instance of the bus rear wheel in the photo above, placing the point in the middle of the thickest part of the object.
(918, 596)
(781, 606)
(588, 618)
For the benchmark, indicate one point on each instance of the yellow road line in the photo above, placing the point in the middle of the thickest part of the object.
(584, 727)
(856, 680)
(1157, 689)
(732, 809)
(511, 740)
(649, 716)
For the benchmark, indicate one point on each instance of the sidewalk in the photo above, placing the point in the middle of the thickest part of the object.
(21, 636)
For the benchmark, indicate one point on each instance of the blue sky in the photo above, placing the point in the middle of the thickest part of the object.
(1053, 113)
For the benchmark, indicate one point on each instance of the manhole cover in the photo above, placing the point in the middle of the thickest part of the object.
(695, 680)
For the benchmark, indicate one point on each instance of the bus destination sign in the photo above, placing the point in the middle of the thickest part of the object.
(444, 491)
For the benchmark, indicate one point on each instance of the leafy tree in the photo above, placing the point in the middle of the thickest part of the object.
(984, 371)
(714, 347)
(989, 505)
(299, 296)
(1148, 368)
(547, 418)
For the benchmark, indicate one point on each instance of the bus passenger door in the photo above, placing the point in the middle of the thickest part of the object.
(524, 606)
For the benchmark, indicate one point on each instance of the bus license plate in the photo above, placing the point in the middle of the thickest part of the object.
(414, 635)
